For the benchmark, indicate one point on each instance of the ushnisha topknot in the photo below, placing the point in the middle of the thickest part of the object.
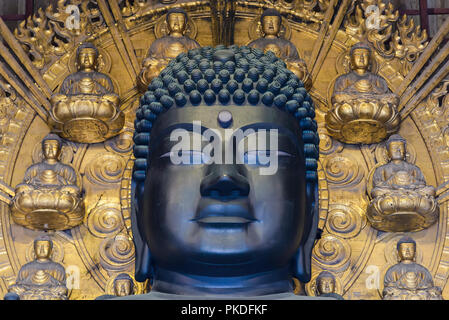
(405, 240)
(225, 76)
(395, 137)
(175, 10)
(361, 45)
(87, 45)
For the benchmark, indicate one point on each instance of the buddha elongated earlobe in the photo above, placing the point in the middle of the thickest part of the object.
(143, 269)
(302, 263)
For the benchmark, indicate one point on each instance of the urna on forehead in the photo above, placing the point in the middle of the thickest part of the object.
(226, 76)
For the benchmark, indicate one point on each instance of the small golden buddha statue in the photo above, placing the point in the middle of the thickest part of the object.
(363, 107)
(166, 48)
(271, 22)
(123, 286)
(408, 280)
(50, 197)
(41, 279)
(325, 285)
(401, 200)
(86, 110)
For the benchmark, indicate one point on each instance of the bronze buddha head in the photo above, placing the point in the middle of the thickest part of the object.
(248, 209)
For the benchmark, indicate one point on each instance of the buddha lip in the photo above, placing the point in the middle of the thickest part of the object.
(224, 220)
(224, 214)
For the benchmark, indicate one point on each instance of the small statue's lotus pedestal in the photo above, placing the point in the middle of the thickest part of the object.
(363, 120)
(86, 118)
(47, 209)
(402, 211)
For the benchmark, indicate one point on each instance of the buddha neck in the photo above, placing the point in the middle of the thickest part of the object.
(87, 70)
(271, 36)
(407, 261)
(361, 71)
(272, 282)
(176, 34)
(51, 161)
(397, 161)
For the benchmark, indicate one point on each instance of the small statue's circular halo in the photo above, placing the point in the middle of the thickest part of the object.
(224, 118)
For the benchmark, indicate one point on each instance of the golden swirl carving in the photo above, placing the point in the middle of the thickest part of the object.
(311, 288)
(117, 253)
(57, 253)
(332, 253)
(327, 144)
(139, 287)
(122, 143)
(105, 220)
(345, 221)
(342, 171)
(105, 170)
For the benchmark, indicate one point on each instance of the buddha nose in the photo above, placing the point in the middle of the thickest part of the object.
(225, 183)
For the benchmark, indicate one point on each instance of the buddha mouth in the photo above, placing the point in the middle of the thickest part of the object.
(224, 215)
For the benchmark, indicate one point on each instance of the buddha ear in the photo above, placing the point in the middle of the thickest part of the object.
(143, 268)
(302, 264)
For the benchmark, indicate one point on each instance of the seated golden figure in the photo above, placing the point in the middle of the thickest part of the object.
(86, 110)
(166, 48)
(49, 198)
(408, 280)
(401, 200)
(326, 286)
(363, 107)
(271, 22)
(123, 286)
(41, 279)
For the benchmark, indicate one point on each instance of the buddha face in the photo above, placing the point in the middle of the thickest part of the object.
(87, 59)
(396, 150)
(122, 287)
(42, 249)
(176, 22)
(360, 59)
(407, 251)
(228, 216)
(326, 284)
(51, 149)
(271, 25)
